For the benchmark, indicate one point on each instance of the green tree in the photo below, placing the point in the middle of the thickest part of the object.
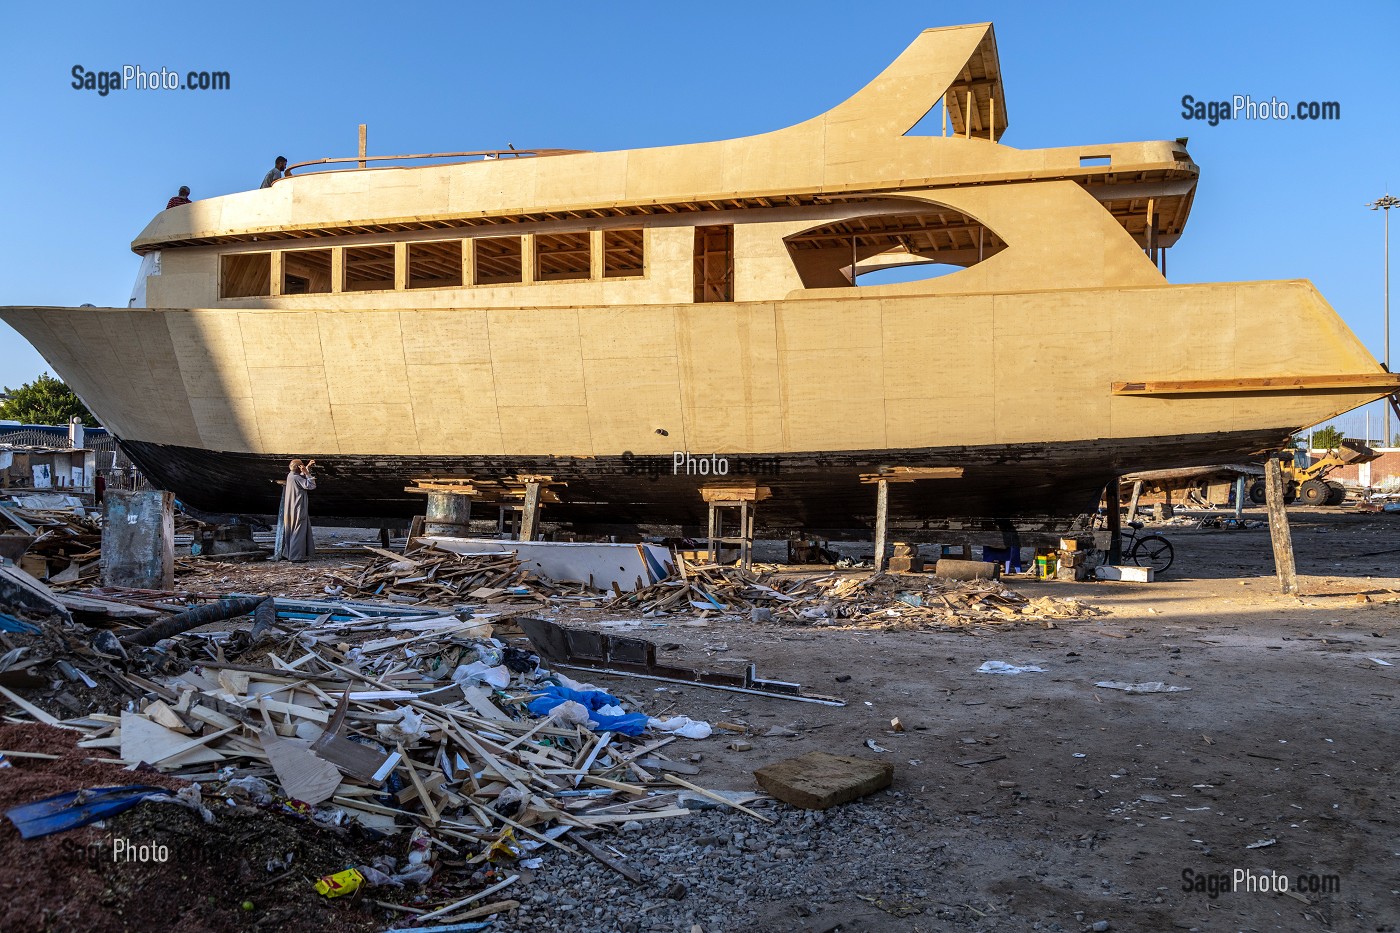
(46, 400)
(1327, 438)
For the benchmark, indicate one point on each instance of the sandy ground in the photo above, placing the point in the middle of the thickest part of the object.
(1088, 805)
(1102, 800)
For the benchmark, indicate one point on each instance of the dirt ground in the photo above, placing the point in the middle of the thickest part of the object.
(1038, 801)
(1099, 801)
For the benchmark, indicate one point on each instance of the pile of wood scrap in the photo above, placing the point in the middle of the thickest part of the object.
(60, 545)
(209, 575)
(430, 576)
(415, 723)
(845, 598)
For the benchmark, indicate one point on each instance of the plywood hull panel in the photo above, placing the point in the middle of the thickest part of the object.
(210, 401)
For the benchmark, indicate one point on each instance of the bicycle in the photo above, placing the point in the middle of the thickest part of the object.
(1151, 550)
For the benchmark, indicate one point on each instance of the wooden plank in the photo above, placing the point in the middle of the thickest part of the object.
(882, 510)
(143, 740)
(1337, 382)
(193, 744)
(424, 795)
(717, 798)
(901, 474)
(30, 708)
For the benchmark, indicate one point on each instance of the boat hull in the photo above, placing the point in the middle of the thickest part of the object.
(1022, 390)
(1032, 486)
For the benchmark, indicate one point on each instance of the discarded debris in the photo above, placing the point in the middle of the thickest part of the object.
(1002, 667)
(1155, 686)
(876, 600)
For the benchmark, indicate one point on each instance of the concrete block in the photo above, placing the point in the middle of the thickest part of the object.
(819, 780)
(1124, 574)
(138, 539)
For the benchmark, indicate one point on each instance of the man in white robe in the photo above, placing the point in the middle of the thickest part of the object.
(297, 542)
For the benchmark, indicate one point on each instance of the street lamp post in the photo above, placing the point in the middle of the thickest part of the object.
(1385, 204)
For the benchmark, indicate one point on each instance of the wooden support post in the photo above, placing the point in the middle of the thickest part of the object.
(530, 519)
(1132, 506)
(1279, 533)
(337, 269)
(278, 281)
(943, 103)
(1239, 497)
(967, 117)
(400, 266)
(363, 163)
(882, 503)
(1115, 524)
(992, 125)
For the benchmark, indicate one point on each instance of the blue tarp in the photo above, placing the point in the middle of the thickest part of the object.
(592, 700)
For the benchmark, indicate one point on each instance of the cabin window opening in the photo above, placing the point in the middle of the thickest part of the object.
(369, 268)
(245, 275)
(714, 263)
(623, 253)
(499, 260)
(888, 248)
(306, 272)
(563, 256)
(435, 264)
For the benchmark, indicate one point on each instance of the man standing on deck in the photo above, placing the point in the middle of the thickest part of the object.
(297, 544)
(277, 171)
(182, 198)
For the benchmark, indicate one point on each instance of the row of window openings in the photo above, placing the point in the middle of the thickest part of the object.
(435, 264)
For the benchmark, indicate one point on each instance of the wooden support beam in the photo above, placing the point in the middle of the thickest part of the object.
(882, 503)
(1279, 532)
(1132, 506)
(911, 474)
(530, 519)
(1115, 524)
(1333, 382)
(362, 146)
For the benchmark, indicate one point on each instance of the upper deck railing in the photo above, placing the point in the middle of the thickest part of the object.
(479, 155)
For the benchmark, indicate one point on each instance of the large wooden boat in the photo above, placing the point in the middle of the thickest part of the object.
(590, 315)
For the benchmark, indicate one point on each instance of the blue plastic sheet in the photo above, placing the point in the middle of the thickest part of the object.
(592, 700)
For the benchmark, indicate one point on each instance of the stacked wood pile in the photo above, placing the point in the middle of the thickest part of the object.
(66, 543)
(358, 718)
(844, 598)
(429, 576)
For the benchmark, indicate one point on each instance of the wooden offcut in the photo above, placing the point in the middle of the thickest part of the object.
(820, 780)
(953, 569)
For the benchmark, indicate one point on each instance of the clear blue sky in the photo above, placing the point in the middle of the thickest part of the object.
(82, 174)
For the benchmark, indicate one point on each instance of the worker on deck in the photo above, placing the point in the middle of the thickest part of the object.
(296, 542)
(182, 198)
(279, 168)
